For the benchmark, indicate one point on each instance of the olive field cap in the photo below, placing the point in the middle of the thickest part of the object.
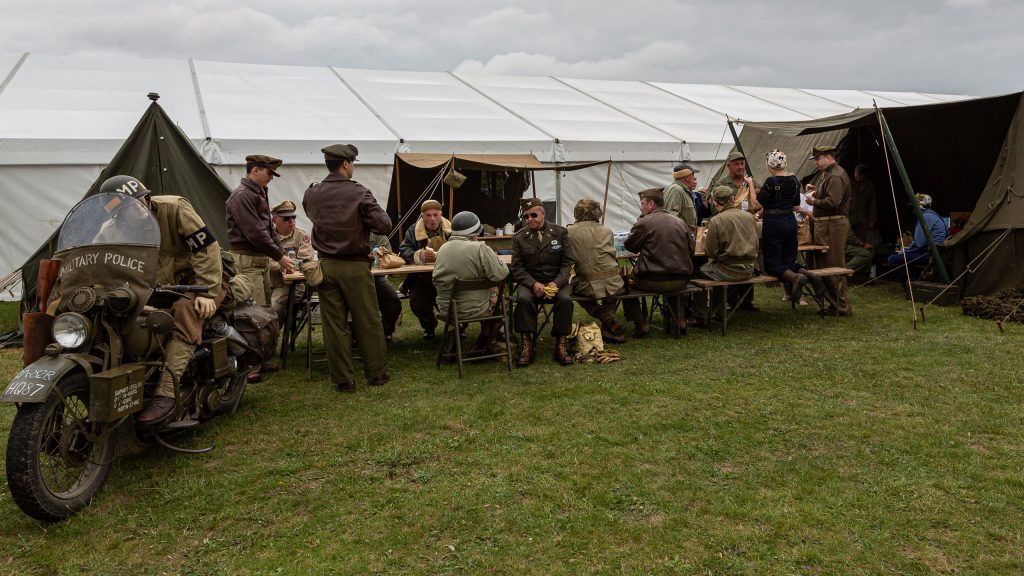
(737, 155)
(286, 208)
(341, 152)
(723, 194)
(822, 151)
(268, 162)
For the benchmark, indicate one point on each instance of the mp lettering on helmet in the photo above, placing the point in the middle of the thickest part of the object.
(199, 239)
(130, 187)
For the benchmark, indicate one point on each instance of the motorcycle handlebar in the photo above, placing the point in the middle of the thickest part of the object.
(183, 288)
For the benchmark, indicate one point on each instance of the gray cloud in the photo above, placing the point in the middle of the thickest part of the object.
(953, 46)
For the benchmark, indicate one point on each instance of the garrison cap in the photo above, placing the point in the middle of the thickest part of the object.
(823, 151)
(652, 193)
(735, 155)
(527, 203)
(341, 152)
(265, 162)
(723, 194)
(286, 208)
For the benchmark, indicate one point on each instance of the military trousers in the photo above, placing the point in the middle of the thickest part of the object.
(257, 269)
(348, 288)
(527, 306)
(422, 299)
(660, 287)
(833, 233)
(389, 302)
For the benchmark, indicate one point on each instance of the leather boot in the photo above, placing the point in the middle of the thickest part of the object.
(562, 351)
(178, 355)
(482, 344)
(526, 351)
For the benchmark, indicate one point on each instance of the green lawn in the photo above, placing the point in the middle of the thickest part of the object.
(796, 445)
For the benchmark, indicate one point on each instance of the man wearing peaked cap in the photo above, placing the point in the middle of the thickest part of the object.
(251, 233)
(830, 196)
(344, 214)
(746, 189)
(292, 238)
(679, 195)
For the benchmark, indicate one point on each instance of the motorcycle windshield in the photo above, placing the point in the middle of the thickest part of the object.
(108, 241)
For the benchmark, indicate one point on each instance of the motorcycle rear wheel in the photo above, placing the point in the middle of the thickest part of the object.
(233, 394)
(53, 469)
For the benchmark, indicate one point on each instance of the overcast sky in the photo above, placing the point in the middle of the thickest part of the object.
(949, 46)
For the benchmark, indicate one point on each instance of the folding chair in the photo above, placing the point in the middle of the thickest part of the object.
(452, 322)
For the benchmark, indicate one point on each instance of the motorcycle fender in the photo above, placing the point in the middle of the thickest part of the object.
(34, 382)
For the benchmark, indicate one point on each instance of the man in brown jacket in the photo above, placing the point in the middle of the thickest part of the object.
(830, 197)
(730, 245)
(251, 233)
(596, 268)
(344, 213)
(665, 247)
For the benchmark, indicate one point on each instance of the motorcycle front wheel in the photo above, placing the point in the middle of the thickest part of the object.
(53, 468)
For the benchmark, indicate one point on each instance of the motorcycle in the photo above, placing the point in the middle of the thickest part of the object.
(76, 404)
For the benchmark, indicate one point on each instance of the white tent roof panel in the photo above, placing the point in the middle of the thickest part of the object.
(853, 98)
(304, 106)
(571, 116)
(793, 99)
(948, 97)
(433, 111)
(907, 98)
(7, 64)
(701, 128)
(732, 102)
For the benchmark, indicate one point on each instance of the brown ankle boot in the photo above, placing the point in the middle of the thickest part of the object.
(526, 351)
(562, 351)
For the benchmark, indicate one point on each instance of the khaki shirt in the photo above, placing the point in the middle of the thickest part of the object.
(300, 241)
(732, 239)
(189, 254)
(679, 203)
(741, 195)
(597, 269)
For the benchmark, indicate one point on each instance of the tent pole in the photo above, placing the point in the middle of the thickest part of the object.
(607, 180)
(398, 191)
(932, 248)
(739, 147)
(451, 192)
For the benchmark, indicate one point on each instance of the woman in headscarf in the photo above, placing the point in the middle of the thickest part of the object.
(780, 197)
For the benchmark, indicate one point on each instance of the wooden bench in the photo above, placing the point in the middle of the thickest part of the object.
(722, 289)
(657, 301)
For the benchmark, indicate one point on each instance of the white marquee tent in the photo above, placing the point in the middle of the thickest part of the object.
(63, 118)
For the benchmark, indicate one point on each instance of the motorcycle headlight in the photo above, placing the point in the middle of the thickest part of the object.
(71, 330)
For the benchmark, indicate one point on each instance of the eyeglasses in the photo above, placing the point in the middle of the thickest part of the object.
(532, 215)
(287, 218)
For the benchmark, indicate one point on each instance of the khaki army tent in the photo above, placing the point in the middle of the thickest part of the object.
(964, 154)
(163, 158)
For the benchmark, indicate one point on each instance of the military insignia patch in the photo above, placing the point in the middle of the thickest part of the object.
(200, 239)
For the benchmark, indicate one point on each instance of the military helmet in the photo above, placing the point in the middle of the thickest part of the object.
(122, 184)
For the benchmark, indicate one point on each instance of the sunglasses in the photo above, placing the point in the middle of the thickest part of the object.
(532, 215)
(287, 218)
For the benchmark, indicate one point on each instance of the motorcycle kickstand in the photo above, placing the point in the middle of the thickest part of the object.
(164, 443)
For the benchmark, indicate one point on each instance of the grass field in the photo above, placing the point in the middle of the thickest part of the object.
(795, 445)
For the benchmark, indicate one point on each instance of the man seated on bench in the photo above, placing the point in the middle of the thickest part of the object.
(597, 269)
(462, 257)
(730, 245)
(541, 259)
(665, 262)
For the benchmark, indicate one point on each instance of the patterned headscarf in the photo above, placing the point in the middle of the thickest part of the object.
(587, 209)
(776, 159)
(924, 200)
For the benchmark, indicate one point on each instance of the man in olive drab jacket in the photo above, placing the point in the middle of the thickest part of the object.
(730, 245)
(679, 198)
(189, 254)
(344, 213)
(596, 268)
(664, 246)
(420, 245)
(830, 197)
(251, 232)
(292, 238)
(745, 189)
(541, 260)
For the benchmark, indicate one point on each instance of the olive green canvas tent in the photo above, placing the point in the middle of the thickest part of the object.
(964, 154)
(163, 158)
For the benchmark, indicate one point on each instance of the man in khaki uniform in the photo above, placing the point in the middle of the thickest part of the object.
(465, 258)
(830, 198)
(679, 195)
(730, 245)
(596, 268)
(745, 189)
(189, 254)
(344, 213)
(251, 233)
(292, 238)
